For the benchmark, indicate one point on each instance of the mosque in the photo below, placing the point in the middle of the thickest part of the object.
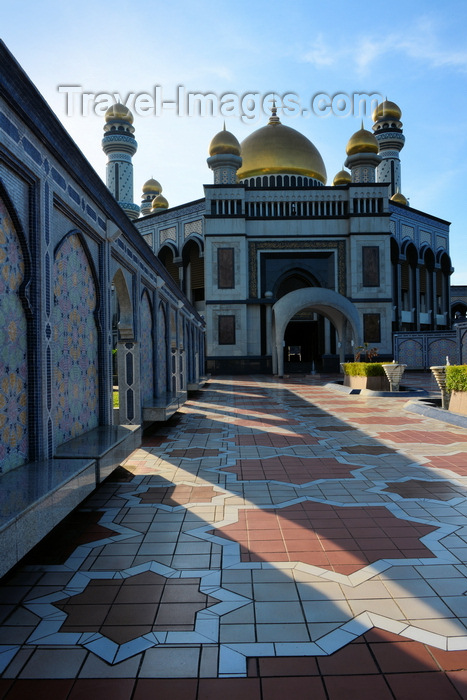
(284, 267)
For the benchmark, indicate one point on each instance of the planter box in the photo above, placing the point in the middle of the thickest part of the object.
(458, 402)
(373, 383)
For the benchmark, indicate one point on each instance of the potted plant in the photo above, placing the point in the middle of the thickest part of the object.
(365, 375)
(456, 385)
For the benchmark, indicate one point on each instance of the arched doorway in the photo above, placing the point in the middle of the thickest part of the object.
(342, 314)
(122, 332)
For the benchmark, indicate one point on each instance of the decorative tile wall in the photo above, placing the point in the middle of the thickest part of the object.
(13, 350)
(147, 350)
(75, 343)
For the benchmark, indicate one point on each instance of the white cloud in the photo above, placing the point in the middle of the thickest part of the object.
(420, 41)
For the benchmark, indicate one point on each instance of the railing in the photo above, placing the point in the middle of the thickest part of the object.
(260, 208)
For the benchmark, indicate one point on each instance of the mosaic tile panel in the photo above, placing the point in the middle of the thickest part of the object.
(147, 350)
(75, 343)
(13, 350)
(161, 350)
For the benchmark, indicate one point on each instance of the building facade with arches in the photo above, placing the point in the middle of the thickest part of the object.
(87, 312)
(291, 272)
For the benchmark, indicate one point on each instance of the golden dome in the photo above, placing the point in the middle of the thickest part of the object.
(159, 202)
(279, 149)
(224, 143)
(151, 186)
(343, 177)
(387, 110)
(399, 198)
(120, 112)
(362, 141)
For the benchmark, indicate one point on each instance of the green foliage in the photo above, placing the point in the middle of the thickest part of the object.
(115, 399)
(456, 378)
(370, 353)
(364, 369)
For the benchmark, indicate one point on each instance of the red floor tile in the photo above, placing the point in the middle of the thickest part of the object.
(352, 659)
(297, 687)
(450, 660)
(459, 681)
(358, 687)
(229, 689)
(428, 686)
(436, 437)
(288, 666)
(397, 657)
(39, 689)
(342, 534)
(294, 470)
(166, 689)
(101, 688)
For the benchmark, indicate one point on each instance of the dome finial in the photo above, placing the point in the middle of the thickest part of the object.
(274, 119)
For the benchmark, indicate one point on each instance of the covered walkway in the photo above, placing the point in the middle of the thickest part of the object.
(275, 537)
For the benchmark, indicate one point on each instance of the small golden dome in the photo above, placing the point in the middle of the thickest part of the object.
(387, 110)
(362, 141)
(343, 177)
(224, 143)
(399, 198)
(159, 202)
(151, 186)
(120, 112)
(279, 149)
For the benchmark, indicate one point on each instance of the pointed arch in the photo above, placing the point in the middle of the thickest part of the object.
(162, 349)
(333, 306)
(75, 349)
(146, 348)
(125, 321)
(14, 375)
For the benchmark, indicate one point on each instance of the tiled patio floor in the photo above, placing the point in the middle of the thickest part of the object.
(274, 537)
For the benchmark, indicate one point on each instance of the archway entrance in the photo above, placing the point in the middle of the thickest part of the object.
(318, 302)
(304, 342)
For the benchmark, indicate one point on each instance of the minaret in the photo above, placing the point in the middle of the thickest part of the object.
(388, 132)
(120, 145)
(362, 156)
(151, 189)
(224, 158)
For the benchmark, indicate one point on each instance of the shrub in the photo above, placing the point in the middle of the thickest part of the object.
(456, 378)
(364, 369)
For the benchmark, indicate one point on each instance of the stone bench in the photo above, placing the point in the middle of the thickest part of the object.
(107, 445)
(161, 408)
(196, 386)
(34, 498)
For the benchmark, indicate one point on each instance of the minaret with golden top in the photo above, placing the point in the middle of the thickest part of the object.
(362, 156)
(224, 158)
(387, 128)
(120, 145)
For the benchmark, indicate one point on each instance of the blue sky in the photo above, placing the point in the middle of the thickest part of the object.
(414, 53)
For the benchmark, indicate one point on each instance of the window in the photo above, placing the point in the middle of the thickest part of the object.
(371, 328)
(225, 268)
(226, 330)
(370, 266)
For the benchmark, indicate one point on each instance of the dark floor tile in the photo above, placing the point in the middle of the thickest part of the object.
(166, 689)
(288, 666)
(353, 659)
(293, 686)
(429, 686)
(459, 681)
(101, 689)
(230, 689)
(57, 689)
(361, 687)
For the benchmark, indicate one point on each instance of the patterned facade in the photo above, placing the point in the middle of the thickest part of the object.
(78, 289)
(285, 230)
